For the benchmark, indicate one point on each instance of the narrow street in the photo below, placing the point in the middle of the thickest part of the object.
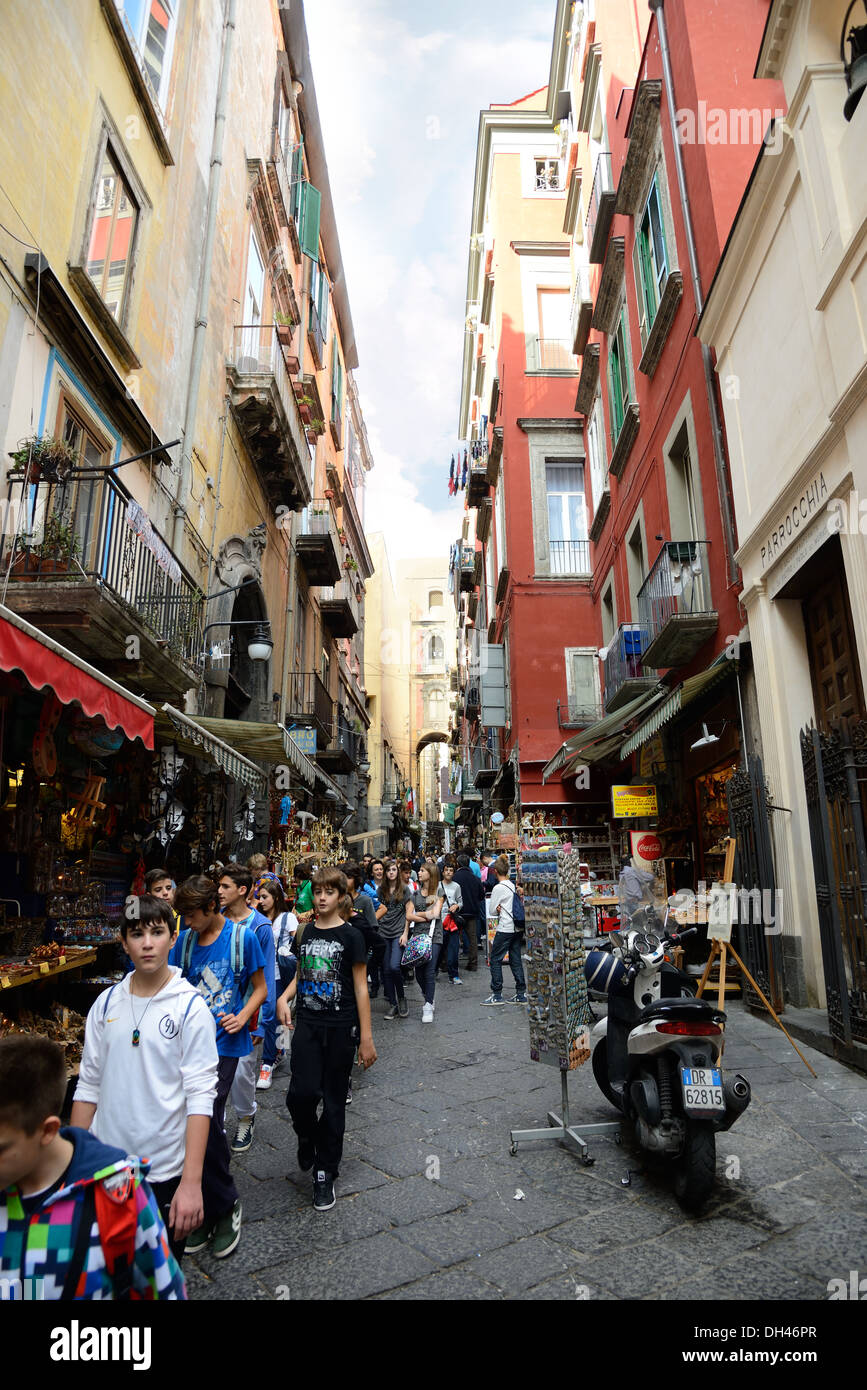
(791, 1217)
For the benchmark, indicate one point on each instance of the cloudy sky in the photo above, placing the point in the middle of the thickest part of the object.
(399, 88)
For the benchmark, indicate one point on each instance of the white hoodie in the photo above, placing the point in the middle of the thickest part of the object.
(144, 1094)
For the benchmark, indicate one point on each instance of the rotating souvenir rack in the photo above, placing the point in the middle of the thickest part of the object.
(556, 989)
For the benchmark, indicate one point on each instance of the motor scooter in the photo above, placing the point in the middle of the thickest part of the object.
(656, 1057)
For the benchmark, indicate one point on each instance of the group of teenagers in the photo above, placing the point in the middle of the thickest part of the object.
(220, 966)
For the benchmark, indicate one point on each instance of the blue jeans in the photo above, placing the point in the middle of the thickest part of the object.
(453, 953)
(426, 974)
(269, 1046)
(507, 943)
(391, 972)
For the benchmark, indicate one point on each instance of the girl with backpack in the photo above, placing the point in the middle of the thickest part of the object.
(508, 938)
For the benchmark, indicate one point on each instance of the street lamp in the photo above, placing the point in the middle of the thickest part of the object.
(856, 68)
(261, 644)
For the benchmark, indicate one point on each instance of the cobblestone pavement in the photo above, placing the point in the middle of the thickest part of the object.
(789, 1213)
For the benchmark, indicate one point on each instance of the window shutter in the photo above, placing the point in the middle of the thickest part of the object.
(308, 231)
(657, 224)
(640, 294)
(628, 393)
(583, 701)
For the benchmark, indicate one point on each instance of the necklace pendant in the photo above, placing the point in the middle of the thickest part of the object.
(136, 1035)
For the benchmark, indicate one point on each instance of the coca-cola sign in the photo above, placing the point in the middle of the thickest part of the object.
(649, 847)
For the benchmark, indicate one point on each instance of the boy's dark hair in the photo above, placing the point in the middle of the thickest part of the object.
(463, 861)
(351, 871)
(196, 892)
(156, 876)
(404, 864)
(33, 1080)
(241, 876)
(148, 910)
(329, 876)
(303, 872)
(449, 862)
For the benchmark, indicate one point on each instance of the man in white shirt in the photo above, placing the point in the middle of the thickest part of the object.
(507, 942)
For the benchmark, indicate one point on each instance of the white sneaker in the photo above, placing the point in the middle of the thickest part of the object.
(427, 1014)
(457, 980)
(264, 1081)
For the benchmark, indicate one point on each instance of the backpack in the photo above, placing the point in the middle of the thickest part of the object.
(112, 1202)
(519, 920)
(236, 952)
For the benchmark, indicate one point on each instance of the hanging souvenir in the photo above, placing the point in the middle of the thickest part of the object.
(92, 737)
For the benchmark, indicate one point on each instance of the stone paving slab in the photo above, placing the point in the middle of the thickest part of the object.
(426, 1203)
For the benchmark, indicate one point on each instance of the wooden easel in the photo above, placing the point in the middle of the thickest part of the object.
(721, 948)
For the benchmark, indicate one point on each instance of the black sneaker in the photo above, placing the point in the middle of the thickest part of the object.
(349, 1092)
(391, 1013)
(306, 1154)
(402, 1008)
(323, 1192)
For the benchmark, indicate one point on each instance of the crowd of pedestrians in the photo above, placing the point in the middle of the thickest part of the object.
(228, 974)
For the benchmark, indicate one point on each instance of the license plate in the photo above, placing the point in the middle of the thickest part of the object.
(702, 1088)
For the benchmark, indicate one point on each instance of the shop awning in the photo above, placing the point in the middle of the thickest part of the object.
(195, 741)
(271, 743)
(43, 662)
(677, 700)
(598, 741)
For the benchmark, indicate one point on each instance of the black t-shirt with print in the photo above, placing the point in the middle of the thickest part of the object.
(326, 993)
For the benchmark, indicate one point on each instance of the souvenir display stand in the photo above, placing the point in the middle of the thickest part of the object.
(556, 988)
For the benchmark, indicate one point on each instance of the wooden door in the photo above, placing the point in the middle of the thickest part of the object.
(837, 688)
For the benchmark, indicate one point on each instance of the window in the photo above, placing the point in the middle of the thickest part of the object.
(436, 649)
(619, 376)
(336, 385)
(435, 598)
(582, 684)
(325, 669)
(650, 261)
(152, 25)
(609, 613)
(112, 237)
(549, 177)
(567, 518)
(635, 564)
(596, 452)
(319, 307)
(554, 345)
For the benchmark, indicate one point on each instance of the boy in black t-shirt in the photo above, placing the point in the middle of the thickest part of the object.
(333, 1022)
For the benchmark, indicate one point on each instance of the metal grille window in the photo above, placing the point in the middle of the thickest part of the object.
(567, 518)
(112, 237)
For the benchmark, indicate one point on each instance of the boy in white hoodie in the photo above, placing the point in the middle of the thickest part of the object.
(148, 1073)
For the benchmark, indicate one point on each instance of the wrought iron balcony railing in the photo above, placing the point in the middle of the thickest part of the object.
(625, 673)
(89, 530)
(569, 557)
(600, 210)
(308, 698)
(675, 607)
(550, 355)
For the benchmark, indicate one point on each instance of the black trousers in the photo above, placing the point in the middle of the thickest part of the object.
(322, 1058)
(219, 1193)
(164, 1192)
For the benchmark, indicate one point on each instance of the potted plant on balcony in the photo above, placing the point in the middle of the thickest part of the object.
(58, 547)
(285, 328)
(350, 563)
(305, 407)
(49, 459)
(341, 535)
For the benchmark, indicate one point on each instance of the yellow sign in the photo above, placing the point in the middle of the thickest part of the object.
(634, 801)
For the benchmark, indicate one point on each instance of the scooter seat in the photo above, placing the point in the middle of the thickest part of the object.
(681, 1008)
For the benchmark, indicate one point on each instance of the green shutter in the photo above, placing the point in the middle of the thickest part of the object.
(296, 179)
(640, 294)
(628, 391)
(308, 231)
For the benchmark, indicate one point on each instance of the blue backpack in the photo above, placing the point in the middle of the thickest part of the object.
(519, 920)
(237, 957)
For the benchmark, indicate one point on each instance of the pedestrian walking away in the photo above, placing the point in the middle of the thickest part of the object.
(224, 962)
(272, 904)
(332, 1024)
(507, 941)
(148, 1073)
(473, 898)
(391, 918)
(424, 914)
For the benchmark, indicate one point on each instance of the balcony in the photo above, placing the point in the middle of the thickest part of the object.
(550, 356)
(600, 211)
(473, 701)
(588, 380)
(581, 312)
(626, 675)
(675, 606)
(339, 608)
(89, 567)
(496, 453)
(310, 705)
(603, 509)
(569, 557)
(467, 581)
(263, 402)
(310, 404)
(484, 520)
(477, 476)
(485, 763)
(341, 754)
(317, 544)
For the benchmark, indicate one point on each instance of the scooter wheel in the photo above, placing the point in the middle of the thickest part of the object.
(599, 1063)
(513, 1149)
(618, 1139)
(587, 1160)
(696, 1166)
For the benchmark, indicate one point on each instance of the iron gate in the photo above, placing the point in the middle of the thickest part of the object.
(835, 778)
(749, 806)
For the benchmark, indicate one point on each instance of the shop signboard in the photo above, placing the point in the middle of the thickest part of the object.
(306, 740)
(631, 802)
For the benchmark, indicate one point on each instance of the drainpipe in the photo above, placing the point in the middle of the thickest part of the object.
(182, 489)
(657, 6)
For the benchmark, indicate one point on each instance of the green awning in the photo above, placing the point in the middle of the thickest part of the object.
(598, 741)
(679, 698)
(195, 741)
(271, 743)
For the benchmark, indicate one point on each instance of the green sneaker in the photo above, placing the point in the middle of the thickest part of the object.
(198, 1239)
(227, 1232)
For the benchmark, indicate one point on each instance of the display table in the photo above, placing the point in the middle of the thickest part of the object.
(13, 976)
(598, 901)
